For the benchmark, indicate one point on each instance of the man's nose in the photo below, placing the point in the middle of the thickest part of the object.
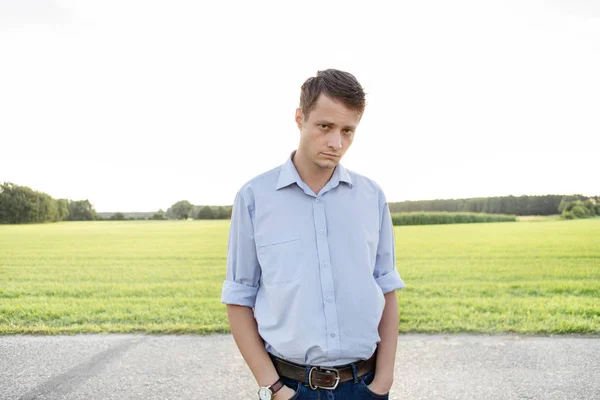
(335, 140)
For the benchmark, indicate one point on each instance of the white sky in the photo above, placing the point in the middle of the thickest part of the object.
(135, 105)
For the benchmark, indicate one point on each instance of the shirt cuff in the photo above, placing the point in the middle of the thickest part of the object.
(236, 293)
(390, 281)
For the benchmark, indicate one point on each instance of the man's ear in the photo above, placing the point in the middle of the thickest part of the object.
(299, 118)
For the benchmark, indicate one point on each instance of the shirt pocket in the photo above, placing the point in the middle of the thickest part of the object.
(280, 258)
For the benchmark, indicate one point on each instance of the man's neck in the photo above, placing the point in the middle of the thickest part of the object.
(316, 178)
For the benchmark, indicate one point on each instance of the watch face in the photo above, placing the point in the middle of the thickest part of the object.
(265, 394)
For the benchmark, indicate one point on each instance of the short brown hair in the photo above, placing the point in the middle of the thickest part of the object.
(335, 84)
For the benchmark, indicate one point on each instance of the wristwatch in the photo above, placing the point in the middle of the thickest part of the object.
(267, 393)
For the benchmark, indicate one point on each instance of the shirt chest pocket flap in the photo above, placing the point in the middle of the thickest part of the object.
(280, 257)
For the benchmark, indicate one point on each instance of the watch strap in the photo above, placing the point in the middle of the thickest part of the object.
(276, 386)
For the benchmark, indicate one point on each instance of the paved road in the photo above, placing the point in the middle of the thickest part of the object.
(209, 367)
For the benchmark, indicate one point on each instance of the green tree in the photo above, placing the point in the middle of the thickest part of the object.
(81, 210)
(119, 216)
(15, 203)
(22, 205)
(47, 208)
(589, 204)
(205, 212)
(160, 215)
(563, 204)
(578, 209)
(221, 213)
(180, 210)
(62, 209)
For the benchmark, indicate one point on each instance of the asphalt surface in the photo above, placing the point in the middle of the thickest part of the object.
(210, 367)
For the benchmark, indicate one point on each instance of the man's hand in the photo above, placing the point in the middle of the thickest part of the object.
(378, 388)
(285, 393)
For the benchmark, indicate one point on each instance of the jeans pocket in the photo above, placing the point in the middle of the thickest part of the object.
(365, 381)
(298, 391)
(295, 386)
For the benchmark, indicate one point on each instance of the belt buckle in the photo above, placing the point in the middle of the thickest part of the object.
(327, 370)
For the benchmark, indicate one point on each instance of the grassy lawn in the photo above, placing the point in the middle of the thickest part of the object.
(165, 276)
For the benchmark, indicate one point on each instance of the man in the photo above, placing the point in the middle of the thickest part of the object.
(311, 276)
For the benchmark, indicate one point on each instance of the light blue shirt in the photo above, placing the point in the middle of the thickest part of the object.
(314, 267)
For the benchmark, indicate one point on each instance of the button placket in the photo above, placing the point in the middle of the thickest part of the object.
(327, 283)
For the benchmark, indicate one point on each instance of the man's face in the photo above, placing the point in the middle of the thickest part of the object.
(327, 133)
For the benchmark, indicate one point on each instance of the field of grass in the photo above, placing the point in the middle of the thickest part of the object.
(530, 218)
(166, 276)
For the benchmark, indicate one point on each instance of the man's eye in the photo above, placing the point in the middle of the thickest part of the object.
(323, 126)
(347, 132)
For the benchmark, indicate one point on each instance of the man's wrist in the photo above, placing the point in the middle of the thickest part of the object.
(383, 383)
(276, 387)
(269, 392)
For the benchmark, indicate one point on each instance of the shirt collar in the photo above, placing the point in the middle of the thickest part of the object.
(288, 174)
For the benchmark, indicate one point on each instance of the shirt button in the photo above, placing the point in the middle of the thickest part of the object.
(329, 299)
(332, 335)
(317, 200)
(320, 230)
(324, 265)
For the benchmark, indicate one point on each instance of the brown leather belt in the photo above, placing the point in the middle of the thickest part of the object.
(323, 377)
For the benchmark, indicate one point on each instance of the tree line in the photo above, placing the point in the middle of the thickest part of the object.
(181, 210)
(512, 205)
(20, 204)
(23, 205)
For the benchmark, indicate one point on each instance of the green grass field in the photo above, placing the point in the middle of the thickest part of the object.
(165, 276)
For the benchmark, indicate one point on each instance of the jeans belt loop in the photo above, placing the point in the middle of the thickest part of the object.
(354, 372)
(307, 376)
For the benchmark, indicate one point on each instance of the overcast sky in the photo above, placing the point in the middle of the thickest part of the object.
(135, 105)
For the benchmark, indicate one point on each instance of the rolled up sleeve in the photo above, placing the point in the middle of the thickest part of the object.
(385, 273)
(243, 270)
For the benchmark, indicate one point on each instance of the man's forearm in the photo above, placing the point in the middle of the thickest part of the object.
(245, 333)
(386, 350)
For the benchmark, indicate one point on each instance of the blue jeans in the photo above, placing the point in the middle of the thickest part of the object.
(350, 390)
